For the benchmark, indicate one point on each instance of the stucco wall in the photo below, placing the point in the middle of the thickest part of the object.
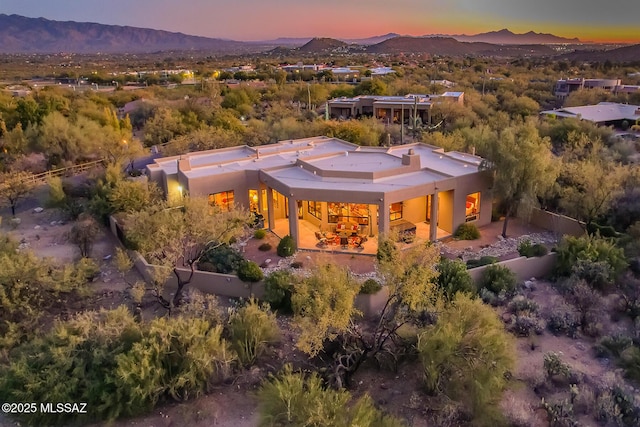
(524, 268)
(559, 224)
(445, 211)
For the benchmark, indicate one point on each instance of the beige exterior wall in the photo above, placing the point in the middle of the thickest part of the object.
(445, 211)
(415, 210)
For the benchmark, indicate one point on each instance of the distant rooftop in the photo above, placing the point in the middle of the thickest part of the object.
(599, 113)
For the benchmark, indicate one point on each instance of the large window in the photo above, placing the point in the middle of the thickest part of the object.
(472, 207)
(223, 200)
(348, 212)
(395, 211)
(315, 209)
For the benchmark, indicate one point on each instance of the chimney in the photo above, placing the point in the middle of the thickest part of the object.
(411, 159)
(184, 164)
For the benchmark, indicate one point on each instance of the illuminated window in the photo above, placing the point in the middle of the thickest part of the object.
(348, 212)
(253, 201)
(472, 207)
(315, 209)
(395, 211)
(223, 200)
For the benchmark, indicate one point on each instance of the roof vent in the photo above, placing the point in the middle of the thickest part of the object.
(346, 154)
(411, 152)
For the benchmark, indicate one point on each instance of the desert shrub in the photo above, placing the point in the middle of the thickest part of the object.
(555, 367)
(630, 362)
(260, 234)
(221, 259)
(249, 271)
(74, 362)
(525, 320)
(563, 319)
(613, 345)
(627, 405)
(588, 303)
(178, 358)
(265, 247)
(526, 324)
(278, 287)
(466, 355)
(387, 250)
(571, 249)
(84, 233)
(597, 274)
(454, 278)
(370, 286)
(293, 399)
(467, 231)
(497, 278)
(525, 248)
(560, 414)
(485, 260)
(286, 247)
(251, 328)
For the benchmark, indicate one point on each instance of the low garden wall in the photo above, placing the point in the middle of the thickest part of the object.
(523, 267)
(226, 285)
(559, 224)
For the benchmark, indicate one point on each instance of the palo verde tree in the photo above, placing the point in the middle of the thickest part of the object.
(15, 186)
(523, 167)
(177, 237)
(466, 356)
(324, 307)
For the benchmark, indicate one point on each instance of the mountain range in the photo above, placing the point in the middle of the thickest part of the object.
(19, 34)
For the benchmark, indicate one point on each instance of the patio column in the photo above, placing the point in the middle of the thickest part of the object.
(270, 211)
(433, 225)
(293, 220)
(383, 218)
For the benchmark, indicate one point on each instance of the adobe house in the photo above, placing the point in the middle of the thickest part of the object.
(329, 193)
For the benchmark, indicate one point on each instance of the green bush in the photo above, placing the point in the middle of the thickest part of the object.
(292, 399)
(466, 356)
(286, 247)
(74, 362)
(251, 328)
(260, 234)
(497, 278)
(525, 248)
(598, 274)
(178, 358)
(564, 319)
(278, 287)
(485, 260)
(554, 366)
(453, 277)
(573, 249)
(467, 231)
(249, 271)
(613, 345)
(630, 362)
(265, 247)
(370, 286)
(221, 259)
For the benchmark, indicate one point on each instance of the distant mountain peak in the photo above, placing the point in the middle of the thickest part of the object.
(506, 36)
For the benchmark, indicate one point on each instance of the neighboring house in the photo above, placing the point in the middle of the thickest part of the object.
(564, 87)
(319, 189)
(391, 109)
(604, 113)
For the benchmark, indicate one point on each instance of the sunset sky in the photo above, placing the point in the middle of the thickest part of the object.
(589, 20)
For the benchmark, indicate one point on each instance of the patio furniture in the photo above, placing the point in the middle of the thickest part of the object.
(322, 241)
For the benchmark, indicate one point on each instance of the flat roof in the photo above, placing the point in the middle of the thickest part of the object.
(602, 112)
(286, 160)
